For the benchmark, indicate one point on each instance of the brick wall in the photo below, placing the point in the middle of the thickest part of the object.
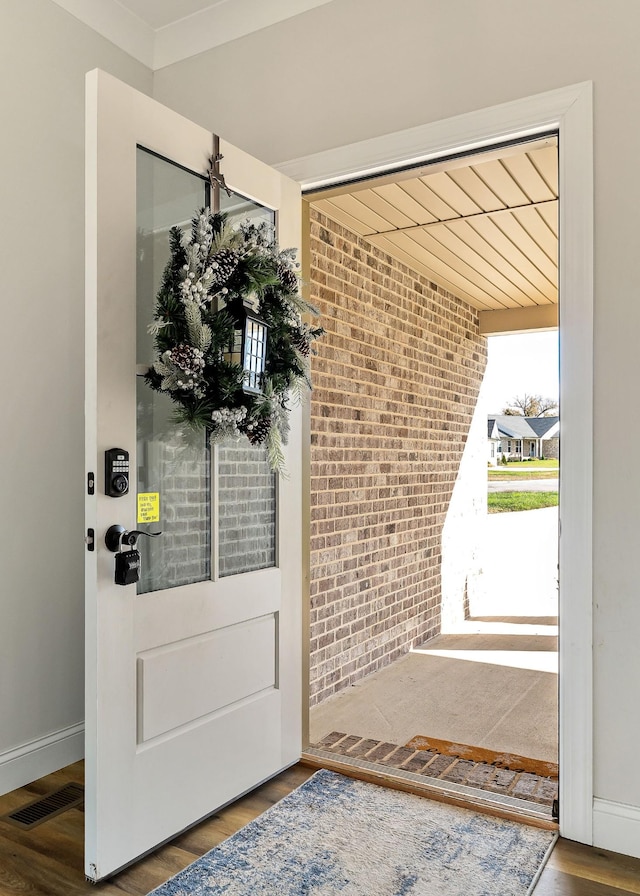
(395, 385)
(246, 508)
(182, 477)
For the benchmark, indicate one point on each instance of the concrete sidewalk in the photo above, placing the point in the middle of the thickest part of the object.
(524, 485)
(519, 572)
(492, 683)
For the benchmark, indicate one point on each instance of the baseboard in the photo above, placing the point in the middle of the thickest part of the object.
(40, 757)
(616, 826)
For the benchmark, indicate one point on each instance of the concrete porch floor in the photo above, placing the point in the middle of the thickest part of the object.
(492, 682)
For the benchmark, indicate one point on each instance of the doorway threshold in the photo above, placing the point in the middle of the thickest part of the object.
(476, 785)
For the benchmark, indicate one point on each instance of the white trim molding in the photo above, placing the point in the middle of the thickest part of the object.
(40, 757)
(518, 320)
(616, 826)
(567, 111)
(156, 47)
(219, 24)
(117, 24)
(468, 133)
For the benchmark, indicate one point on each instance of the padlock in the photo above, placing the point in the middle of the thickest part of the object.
(127, 562)
(127, 567)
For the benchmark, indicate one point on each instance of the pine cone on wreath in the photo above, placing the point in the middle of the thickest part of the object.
(187, 358)
(300, 341)
(287, 277)
(257, 430)
(223, 264)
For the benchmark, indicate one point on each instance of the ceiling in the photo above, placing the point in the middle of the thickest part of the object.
(161, 32)
(484, 227)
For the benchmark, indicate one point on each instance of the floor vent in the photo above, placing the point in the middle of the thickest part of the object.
(47, 807)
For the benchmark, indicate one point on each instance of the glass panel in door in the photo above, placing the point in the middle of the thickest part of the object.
(246, 495)
(175, 464)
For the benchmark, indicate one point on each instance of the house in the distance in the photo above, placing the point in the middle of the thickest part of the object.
(522, 438)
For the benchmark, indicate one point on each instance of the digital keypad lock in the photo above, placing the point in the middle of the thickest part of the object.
(116, 472)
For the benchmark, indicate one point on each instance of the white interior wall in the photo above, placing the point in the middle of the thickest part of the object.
(44, 54)
(355, 69)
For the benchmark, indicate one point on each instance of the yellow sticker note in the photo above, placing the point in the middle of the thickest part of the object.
(148, 507)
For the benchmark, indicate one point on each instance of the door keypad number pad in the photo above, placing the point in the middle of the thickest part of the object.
(116, 472)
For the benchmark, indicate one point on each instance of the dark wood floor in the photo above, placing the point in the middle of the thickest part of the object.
(47, 861)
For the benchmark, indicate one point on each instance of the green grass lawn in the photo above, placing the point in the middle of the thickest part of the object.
(504, 502)
(529, 469)
(504, 473)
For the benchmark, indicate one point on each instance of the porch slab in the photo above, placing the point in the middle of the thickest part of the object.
(491, 680)
(496, 707)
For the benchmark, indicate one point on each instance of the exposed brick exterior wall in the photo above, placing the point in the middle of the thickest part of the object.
(551, 448)
(396, 380)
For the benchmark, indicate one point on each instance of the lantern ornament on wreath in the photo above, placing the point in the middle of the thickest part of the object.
(225, 292)
(248, 348)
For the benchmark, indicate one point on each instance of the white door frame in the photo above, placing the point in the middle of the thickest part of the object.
(569, 112)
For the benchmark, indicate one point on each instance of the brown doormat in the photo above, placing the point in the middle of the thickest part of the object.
(510, 761)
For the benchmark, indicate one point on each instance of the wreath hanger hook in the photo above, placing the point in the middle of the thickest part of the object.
(216, 178)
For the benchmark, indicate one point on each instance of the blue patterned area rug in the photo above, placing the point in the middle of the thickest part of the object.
(335, 836)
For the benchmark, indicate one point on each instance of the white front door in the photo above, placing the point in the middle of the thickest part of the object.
(193, 675)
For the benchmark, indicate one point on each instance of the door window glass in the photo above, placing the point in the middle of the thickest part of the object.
(246, 509)
(238, 208)
(246, 485)
(175, 465)
(172, 462)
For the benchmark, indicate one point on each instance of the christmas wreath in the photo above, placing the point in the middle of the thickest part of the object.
(232, 348)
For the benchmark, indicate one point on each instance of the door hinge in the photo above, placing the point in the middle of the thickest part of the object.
(91, 483)
(555, 810)
(90, 540)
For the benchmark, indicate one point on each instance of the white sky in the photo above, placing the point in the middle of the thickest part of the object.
(518, 364)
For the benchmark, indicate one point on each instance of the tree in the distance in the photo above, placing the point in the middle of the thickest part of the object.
(531, 406)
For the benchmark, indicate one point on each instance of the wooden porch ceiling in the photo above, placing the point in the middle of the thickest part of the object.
(484, 227)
